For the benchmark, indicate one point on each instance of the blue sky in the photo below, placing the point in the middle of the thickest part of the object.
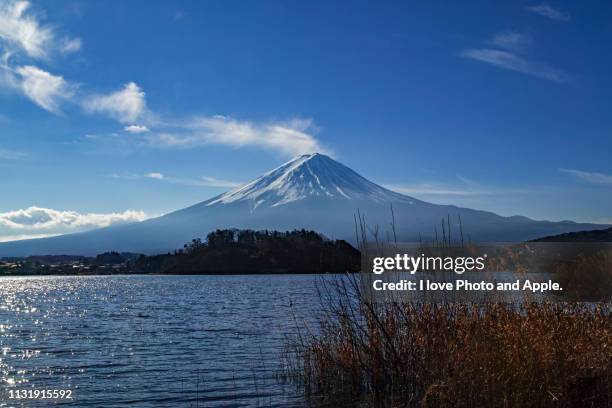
(116, 111)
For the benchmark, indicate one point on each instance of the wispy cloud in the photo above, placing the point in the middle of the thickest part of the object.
(290, 138)
(215, 182)
(591, 177)
(202, 181)
(36, 222)
(46, 90)
(463, 187)
(429, 189)
(155, 176)
(511, 40)
(43, 88)
(11, 154)
(433, 189)
(178, 16)
(23, 34)
(514, 62)
(126, 105)
(546, 10)
(23, 37)
(71, 45)
(136, 129)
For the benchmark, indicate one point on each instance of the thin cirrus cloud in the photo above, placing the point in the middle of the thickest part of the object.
(546, 10)
(428, 189)
(127, 105)
(437, 190)
(38, 222)
(44, 89)
(511, 61)
(202, 181)
(290, 138)
(71, 45)
(215, 182)
(24, 37)
(588, 176)
(11, 154)
(511, 40)
(21, 32)
(155, 176)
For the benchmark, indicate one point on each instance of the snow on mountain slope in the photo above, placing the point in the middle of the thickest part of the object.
(312, 192)
(308, 176)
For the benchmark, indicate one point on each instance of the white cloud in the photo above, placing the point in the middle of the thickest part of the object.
(546, 10)
(126, 105)
(136, 129)
(21, 32)
(465, 188)
(513, 62)
(22, 35)
(290, 138)
(202, 181)
(427, 189)
(156, 176)
(43, 88)
(215, 182)
(71, 45)
(591, 177)
(24, 38)
(511, 40)
(38, 222)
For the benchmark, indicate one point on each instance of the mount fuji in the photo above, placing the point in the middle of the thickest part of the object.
(311, 191)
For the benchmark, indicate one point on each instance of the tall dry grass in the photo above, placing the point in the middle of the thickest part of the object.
(589, 276)
(373, 353)
(458, 355)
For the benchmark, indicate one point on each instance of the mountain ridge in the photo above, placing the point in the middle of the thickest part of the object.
(313, 192)
(307, 175)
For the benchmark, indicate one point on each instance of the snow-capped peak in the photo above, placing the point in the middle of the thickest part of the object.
(308, 176)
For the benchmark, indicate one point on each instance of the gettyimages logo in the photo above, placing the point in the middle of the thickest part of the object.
(422, 263)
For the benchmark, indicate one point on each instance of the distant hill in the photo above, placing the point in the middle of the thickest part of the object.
(250, 252)
(599, 235)
(312, 192)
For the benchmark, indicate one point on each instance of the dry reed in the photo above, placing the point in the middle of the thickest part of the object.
(451, 354)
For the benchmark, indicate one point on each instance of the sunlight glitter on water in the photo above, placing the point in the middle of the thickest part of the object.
(152, 340)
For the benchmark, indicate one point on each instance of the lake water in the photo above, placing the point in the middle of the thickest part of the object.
(156, 341)
(151, 341)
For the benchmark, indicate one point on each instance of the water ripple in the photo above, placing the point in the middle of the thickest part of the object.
(151, 341)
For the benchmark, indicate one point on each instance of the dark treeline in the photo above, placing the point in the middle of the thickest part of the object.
(102, 264)
(601, 235)
(247, 251)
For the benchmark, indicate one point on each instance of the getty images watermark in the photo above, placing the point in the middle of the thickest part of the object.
(404, 263)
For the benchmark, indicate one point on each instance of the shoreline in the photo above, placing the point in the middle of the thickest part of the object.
(178, 274)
